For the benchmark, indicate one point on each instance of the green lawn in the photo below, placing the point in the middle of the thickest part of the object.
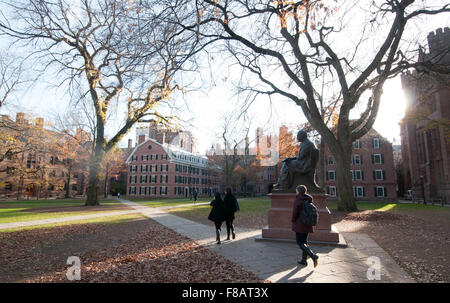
(255, 205)
(25, 210)
(104, 220)
(167, 202)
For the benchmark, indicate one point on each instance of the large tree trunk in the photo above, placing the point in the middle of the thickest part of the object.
(94, 179)
(344, 182)
(95, 165)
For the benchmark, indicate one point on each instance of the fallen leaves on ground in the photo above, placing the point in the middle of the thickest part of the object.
(137, 251)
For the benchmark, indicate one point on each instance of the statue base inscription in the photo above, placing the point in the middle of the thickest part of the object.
(280, 214)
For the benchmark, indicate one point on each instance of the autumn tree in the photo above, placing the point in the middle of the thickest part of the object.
(123, 54)
(291, 46)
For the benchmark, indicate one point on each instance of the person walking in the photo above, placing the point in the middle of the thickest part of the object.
(302, 230)
(195, 195)
(217, 214)
(118, 196)
(231, 206)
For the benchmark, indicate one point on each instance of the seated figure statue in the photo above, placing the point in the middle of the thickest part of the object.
(300, 169)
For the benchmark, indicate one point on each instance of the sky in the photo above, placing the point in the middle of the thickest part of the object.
(205, 108)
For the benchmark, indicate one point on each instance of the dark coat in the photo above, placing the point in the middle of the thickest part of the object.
(217, 213)
(297, 225)
(230, 206)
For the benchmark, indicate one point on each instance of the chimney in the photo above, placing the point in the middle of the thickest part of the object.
(20, 118)
(141, 139)
(130, 143)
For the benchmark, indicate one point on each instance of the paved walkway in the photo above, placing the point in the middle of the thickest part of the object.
(277, 261)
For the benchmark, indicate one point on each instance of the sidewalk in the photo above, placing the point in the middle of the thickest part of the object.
(277, 261)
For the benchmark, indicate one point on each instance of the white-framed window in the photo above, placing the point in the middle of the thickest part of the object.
(152, 190)
(379, 174)
(163, 156)
(380, 191)
(356, 159)
(376, 143)
(357, 175)
(144, 157)
(377, 159)
(153, 179)
(331, 190)
(331, 175)
(331, 160)
(132, 190)
(358, 191)
(357, 144)
(163, 190)
(154, 157)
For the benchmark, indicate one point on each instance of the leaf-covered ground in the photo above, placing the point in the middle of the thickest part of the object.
(137, 250)
(418, 239)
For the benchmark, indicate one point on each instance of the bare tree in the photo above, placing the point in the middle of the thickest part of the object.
(11, 74)
(123, 54)
(291, 46)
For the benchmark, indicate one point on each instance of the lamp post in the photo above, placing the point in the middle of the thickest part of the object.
(423, 189)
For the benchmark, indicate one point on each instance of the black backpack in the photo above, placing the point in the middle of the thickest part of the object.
(309, 214)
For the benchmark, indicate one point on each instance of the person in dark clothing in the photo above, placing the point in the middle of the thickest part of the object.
(231, 206)
(217, 214)
(195, 195)
(302, 230)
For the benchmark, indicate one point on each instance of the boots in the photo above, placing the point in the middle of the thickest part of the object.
(218, 236)
(303, 261)
(308, 251)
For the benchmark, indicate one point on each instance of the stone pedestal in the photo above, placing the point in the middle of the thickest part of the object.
(280, 214)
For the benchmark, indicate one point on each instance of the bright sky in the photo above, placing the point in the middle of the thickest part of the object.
(206, 108)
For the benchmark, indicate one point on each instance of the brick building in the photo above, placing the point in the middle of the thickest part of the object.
(425, 147)
(372, 169)
(33, 162)
(158, 169)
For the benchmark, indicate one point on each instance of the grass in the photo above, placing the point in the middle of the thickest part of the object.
(258, 205)
(167, 202)
(106, 220)
(246, 205)
(23, 210)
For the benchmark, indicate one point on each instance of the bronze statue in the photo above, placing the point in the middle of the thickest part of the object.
(301, 169)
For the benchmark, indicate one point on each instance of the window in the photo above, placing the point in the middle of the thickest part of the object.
(357, 144)
(358, 191)
(357, 175)
(376, 143)
(331, 190)
(380, 191)
(164, 157)
(378, 159)
(8, 186)
(356, 159)
(331, 175)
(379, 174)
(331, 160)
(163, 190)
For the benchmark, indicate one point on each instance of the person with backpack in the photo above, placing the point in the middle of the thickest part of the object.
(304, 217)
(217, 214)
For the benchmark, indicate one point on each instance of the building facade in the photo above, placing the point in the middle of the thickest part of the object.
(372, 169)
(163, 170)
(425, 136)
(36, 162)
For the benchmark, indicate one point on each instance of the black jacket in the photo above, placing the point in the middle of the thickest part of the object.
(217, 213)
(230, 206)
